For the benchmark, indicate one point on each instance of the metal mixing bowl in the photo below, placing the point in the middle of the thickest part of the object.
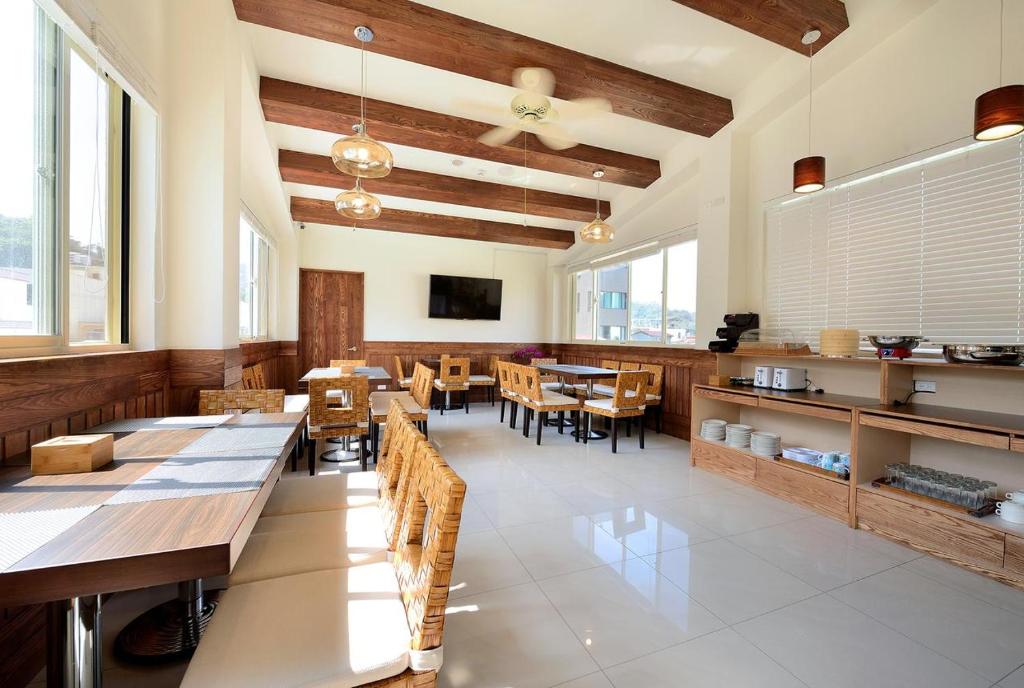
(888, 341)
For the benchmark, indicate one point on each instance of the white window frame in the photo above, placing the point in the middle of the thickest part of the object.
(261, 283)
(57, 282)
(628, 255)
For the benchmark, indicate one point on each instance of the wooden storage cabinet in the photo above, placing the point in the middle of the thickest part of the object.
(816, 492)
(930, 530)
(722, 459)
(1013, 561)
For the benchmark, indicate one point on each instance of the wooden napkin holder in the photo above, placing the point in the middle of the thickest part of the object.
(72, 454)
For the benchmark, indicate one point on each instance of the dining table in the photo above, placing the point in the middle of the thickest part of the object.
(176, 505)
(576, 374)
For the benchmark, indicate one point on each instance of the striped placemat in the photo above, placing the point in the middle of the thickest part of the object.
(24, 532)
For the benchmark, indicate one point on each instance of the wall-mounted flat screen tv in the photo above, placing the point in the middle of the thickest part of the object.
(465, 298)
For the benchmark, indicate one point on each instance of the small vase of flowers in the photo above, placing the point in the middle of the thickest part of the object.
(526, 354)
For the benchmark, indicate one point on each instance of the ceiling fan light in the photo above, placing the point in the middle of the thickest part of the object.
(357, 204)
(809, 174)
(361, 156)
(597, 231)
(999, 113)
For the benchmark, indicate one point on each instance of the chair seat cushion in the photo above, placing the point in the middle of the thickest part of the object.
(314, 541)
(296, 403)
(380, 403)
(606, 405)
(481, 380)
(551, 385)
(406, 381)
(607, 390)
(453, 387)
(340, 628)
(653, 398)
(556, 399)
(322, 493)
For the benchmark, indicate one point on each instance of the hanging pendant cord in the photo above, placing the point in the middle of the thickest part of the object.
(1002, 18)
(597, 201)
(525, 180)
(810, 93)
(362, 86)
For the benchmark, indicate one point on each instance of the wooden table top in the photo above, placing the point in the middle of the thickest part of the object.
(574, 373)
(135, 545)
(372, 372)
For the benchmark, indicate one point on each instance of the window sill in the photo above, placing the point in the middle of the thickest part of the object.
(652, 345)
(42, 353)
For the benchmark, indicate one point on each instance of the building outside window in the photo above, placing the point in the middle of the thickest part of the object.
(253, 280)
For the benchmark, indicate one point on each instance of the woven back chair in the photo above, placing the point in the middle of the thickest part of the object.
(254, 377)
(630, 390)
(517, 376)
(629, 401)
(657, 378)
(545, 361)
(505, 379)
(216, 402)
(492, 366)
(625, 365)
(394, 468)
(422, 385)
(610, 364)
(454, 372)
(403, 381)
(426, 546)
(348, 364)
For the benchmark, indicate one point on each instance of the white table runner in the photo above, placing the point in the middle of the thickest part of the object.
(24, 532)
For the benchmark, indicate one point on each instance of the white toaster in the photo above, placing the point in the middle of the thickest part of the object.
(764, 376)
(790, 379)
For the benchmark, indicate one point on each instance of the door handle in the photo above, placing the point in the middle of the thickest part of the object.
(352, 348)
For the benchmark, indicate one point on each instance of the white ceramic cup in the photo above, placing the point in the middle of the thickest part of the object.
(1016, 496)
(1010, 511)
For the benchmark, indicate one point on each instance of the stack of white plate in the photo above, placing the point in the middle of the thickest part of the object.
(737, 435)
(765, 443)
(713, 429)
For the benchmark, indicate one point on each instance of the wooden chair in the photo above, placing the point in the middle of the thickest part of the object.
(517, 382)
(629, 401)
(346, 363)
(505, 388)
(487, 381)
(654, 390)
(541, 402)
(609, 364)
(329, 419)
(416, 404)
(216, 402)
(254, 377)
(394, 611)
(549, 381)
(454, 377)
(626, 365)
(403, 381)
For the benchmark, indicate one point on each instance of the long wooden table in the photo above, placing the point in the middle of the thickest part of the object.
(136, 545)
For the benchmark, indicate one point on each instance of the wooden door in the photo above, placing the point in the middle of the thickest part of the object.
(330, 317)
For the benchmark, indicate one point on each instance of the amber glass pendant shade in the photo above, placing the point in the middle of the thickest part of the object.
(809, 174)
(999, 113)
(597, 231)
(358, 204)
(361, 156)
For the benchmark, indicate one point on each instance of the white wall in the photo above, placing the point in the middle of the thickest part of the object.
(397, 270)
(912, 91)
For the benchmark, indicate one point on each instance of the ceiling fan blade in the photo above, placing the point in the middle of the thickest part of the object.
(498, 136)
(534, 79)
(585, 107)
(554, 137)
(482, 107)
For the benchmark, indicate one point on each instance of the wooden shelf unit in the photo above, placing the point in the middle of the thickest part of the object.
(881, 432)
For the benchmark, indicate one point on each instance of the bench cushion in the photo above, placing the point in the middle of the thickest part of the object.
(340, 628)
(322, 493)
(300, 543)
(380, 403)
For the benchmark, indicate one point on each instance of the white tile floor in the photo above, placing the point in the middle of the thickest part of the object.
(580, 569)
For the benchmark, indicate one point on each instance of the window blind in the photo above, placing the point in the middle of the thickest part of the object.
(933, 248)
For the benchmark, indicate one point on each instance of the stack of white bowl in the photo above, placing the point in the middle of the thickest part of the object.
(765, 443)
(738, 435)
(713, 429)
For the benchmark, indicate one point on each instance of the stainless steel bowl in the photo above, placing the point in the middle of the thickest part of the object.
(983, 353)
(888, 341)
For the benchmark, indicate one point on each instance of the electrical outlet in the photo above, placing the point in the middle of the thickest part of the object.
(928, 386)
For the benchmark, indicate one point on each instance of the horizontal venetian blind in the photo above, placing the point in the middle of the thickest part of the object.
(934, 249)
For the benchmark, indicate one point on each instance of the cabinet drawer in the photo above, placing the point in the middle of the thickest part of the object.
(1017, 444)
(1014, 560)
(945, 432)
(724, 460)
(807, 410)
(719, 395)
(818, 493)
(930, 530)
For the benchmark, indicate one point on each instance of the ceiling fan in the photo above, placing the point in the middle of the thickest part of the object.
(532, 111)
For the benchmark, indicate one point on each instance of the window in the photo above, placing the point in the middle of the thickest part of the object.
(253, 281)
(651, 298)
(60, 189)
(932, 247)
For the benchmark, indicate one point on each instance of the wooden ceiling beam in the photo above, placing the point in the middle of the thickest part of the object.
(430, 224)
(417, 33)
(783, 22)
(299, 105)
(319, 170)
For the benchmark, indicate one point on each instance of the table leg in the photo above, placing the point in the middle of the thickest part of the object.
(560, 422)
(592, 434)
(170, 631)
(74, 643)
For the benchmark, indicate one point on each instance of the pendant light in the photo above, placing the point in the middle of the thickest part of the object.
(809, 172)
(597, 231)
(360, 155)
(358, 204)
(999, 113)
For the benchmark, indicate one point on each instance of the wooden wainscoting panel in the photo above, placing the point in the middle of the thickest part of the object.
(279, 360)
(194, 369)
